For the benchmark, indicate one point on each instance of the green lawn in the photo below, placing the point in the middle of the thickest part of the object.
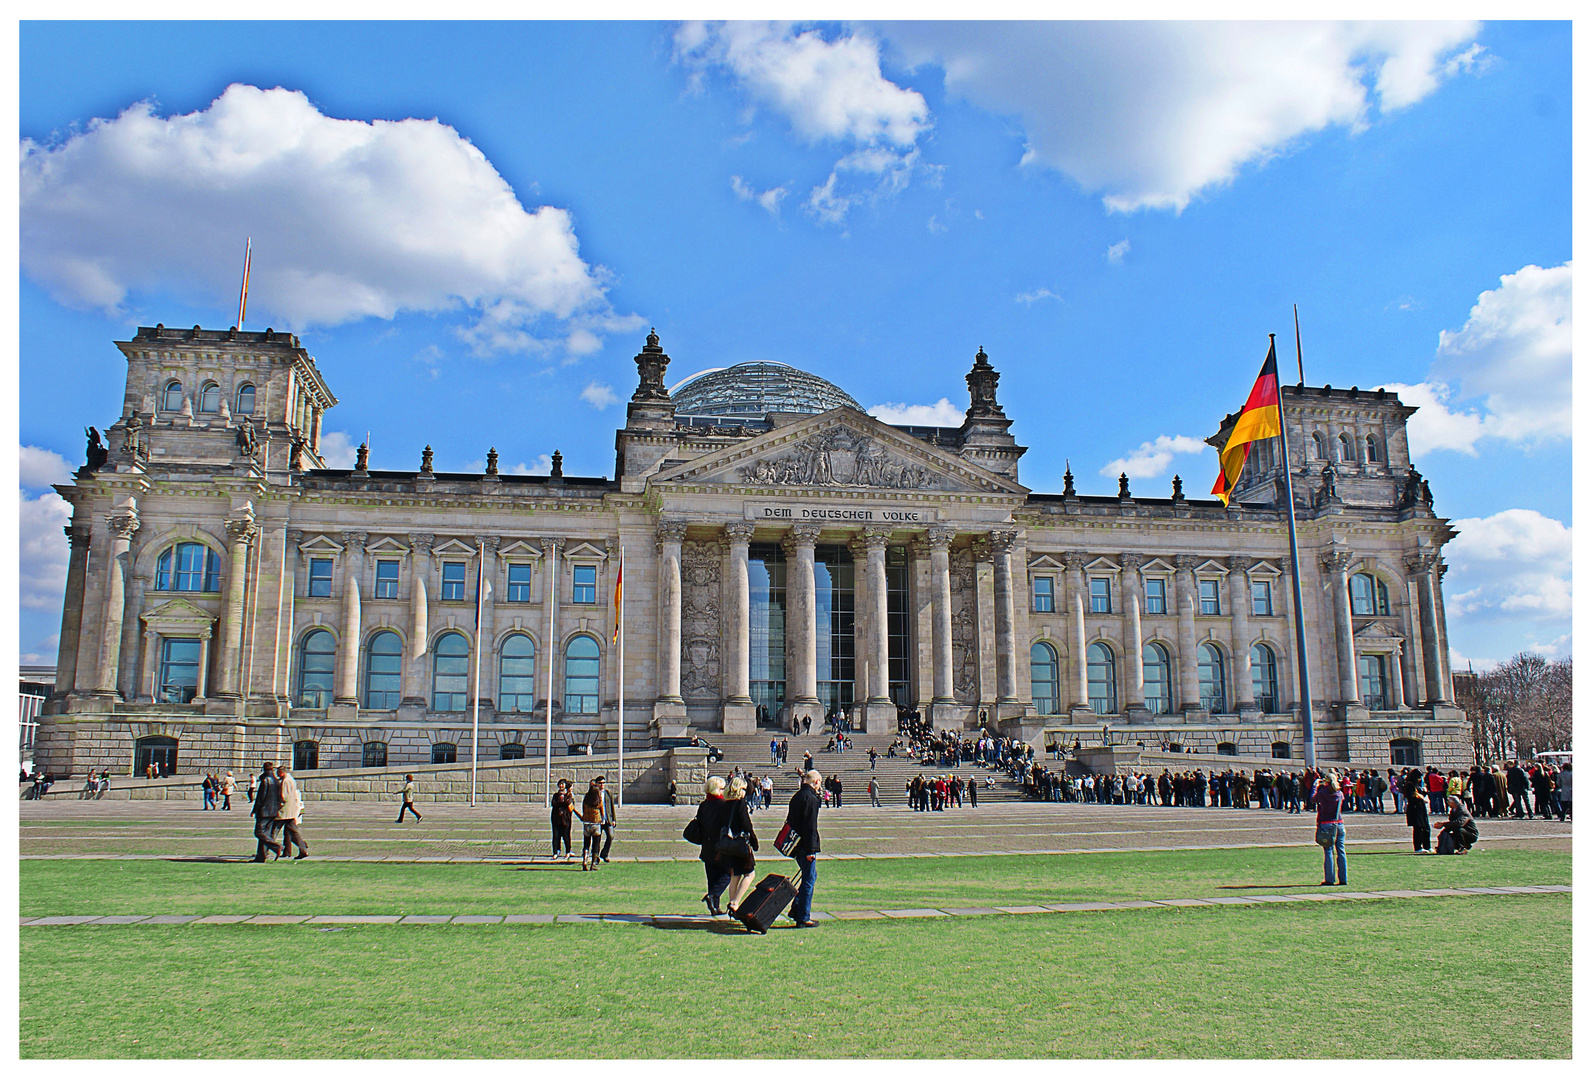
(1349, 979)
(70, 887)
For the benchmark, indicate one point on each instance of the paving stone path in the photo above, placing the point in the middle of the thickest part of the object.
(704, 921)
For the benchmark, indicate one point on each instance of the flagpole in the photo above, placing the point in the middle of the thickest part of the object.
(1299, 352)
(243, 292)
(1298, 592)
(621, 784)
(475, 714)
(552, 606)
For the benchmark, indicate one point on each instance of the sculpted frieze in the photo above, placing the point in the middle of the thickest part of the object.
(840, 458)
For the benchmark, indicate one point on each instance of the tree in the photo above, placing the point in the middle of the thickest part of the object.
(1519, 707)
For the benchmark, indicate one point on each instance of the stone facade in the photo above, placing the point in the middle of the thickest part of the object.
(229, 598)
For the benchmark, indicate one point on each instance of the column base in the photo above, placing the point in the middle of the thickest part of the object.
(809, 709)
(878, 717)
(738, 718)
(412, 711)
(1138, 714)
(950, 713)
(342, 710)
(669, 720)
(219, 706)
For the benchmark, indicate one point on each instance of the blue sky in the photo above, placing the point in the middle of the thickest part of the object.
(472, 226)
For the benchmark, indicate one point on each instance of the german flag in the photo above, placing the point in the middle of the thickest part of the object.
(619, 597)
(1260, 418)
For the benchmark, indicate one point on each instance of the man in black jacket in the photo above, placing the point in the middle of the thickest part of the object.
(267, 801)
(803, 817)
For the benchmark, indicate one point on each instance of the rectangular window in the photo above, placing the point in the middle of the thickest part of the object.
(1210, 604)
(585, 585)
(179, 670)
(1044, 594)
(519, 583)
(387, 579)
(1373, 681)
(1100, 596)
(453, 581)
(1155, 596)
(1262, 594)
(320, 577)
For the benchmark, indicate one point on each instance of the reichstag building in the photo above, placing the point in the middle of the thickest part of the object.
(230, 597)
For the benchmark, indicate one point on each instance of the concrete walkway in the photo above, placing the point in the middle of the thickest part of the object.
(704, 921)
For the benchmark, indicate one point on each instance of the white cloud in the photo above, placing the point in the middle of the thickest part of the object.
(1152, 114)
(1152, 458)
(1514, 354)
(1117, 252)
(355, 219)
(598, 396)
(38, 468)
(941, 414)
(1028, 298)
(338, 449)
(769, 200)
(44, 550)
(935, 226)
(542, 466)
(1514, 564)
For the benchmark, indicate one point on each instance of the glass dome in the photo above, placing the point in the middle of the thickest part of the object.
(745, 392)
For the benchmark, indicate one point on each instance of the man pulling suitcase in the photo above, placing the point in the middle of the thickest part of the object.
(798, 839)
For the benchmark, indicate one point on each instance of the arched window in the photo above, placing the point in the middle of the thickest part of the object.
(1405, 751)
(450, 672)
(517, 675)
(317, 668)
(1227, 749)
(245, 400)
(157, 750)
(581, 666)
(1042, 675)
(1367, 595)
(1157, 679)
(188, 567)
(511, 751)
(1318, 443)
(1213, 679)
(384, 667)
(306, 755)
(1263, 665)
(1371, 453)
(1345, 447)
(374, 756)
(171, 397)
(1281, 750)
(210, 398)
(444, 753)
(1102, 679)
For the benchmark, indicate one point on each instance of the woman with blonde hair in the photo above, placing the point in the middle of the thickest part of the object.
(737, 842)
(703, 831)
(1329, 827)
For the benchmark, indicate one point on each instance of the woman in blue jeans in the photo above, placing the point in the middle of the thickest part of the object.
(1329, 814)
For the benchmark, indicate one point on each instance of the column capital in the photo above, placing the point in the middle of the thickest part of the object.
(1003, 540)
(78, 535)
(1337, 560)
(1131, 561)
(918, 547)
(1420, 563)
(1073, 561)
(420, 543)
(355, 540)
(1186, 564)
(983, 549)
(800, 536)
(123, 525)
(859, 549)
(241, 530)
(739, 532)
(550, 545)
(939, 536)
(876, 536)
(490, 543)
(1240, 563)
(671, 531)
(295, 536)
(151, 633)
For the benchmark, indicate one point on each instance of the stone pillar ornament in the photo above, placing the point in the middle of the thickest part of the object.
(419, 644)
(1335, 568)
(488, 568)
(939, 539)
(1188, 671)
(1424, 568)
(347, 681)
(801, 649)
(876, 540)
(1077, 639)
(670, 535)
(981, 383)
(241, 532)
(1240, 600)
(651, 363)
(1002, 541)
(123, 525)
(72, 612)
(738, 615)
(1133, 628)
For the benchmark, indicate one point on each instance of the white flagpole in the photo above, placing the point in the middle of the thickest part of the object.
(552, 607)
(475, 714)
(621, 783)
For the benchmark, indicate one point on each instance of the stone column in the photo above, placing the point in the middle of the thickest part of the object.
(287, 601)
(419, 619)
(877, 541)
(1240, 601)
(740, 714)
(1335, 567)
(801, 624)
(670, 534)
(1395, 678)
(920, 599)
(1444, 661)
(862, 626)
(146, 674)
(488, 568)
(1188, 669)
(1424, 568)
(127, 665)
(1001, 543)
(241, 532)
(939, 539)
(1077, 636)
(347, 681)
(1133, 630)
(72, 612)
(123, 524)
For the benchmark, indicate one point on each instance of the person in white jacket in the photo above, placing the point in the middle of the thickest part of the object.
(291, 813)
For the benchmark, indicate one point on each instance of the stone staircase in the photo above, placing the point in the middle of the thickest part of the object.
(750, 752)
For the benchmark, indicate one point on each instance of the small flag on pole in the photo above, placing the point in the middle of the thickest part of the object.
(1260, 418)
(619, 596)
(243, 294)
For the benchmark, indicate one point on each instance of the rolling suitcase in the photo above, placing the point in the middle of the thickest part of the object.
(766, 903)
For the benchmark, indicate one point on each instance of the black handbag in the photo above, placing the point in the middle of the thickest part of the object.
(732, 845)
(693, 831)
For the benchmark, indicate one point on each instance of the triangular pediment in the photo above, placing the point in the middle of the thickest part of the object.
(178, 616)
(581, 549)
(1211, 566)
(455, 547)
(1377, 630)
(841, 449)
(320, 544)
(519, 549)
(1158, 566)
(387, 545)
(1102, 565)
(1045, 562)
(1265, 568)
